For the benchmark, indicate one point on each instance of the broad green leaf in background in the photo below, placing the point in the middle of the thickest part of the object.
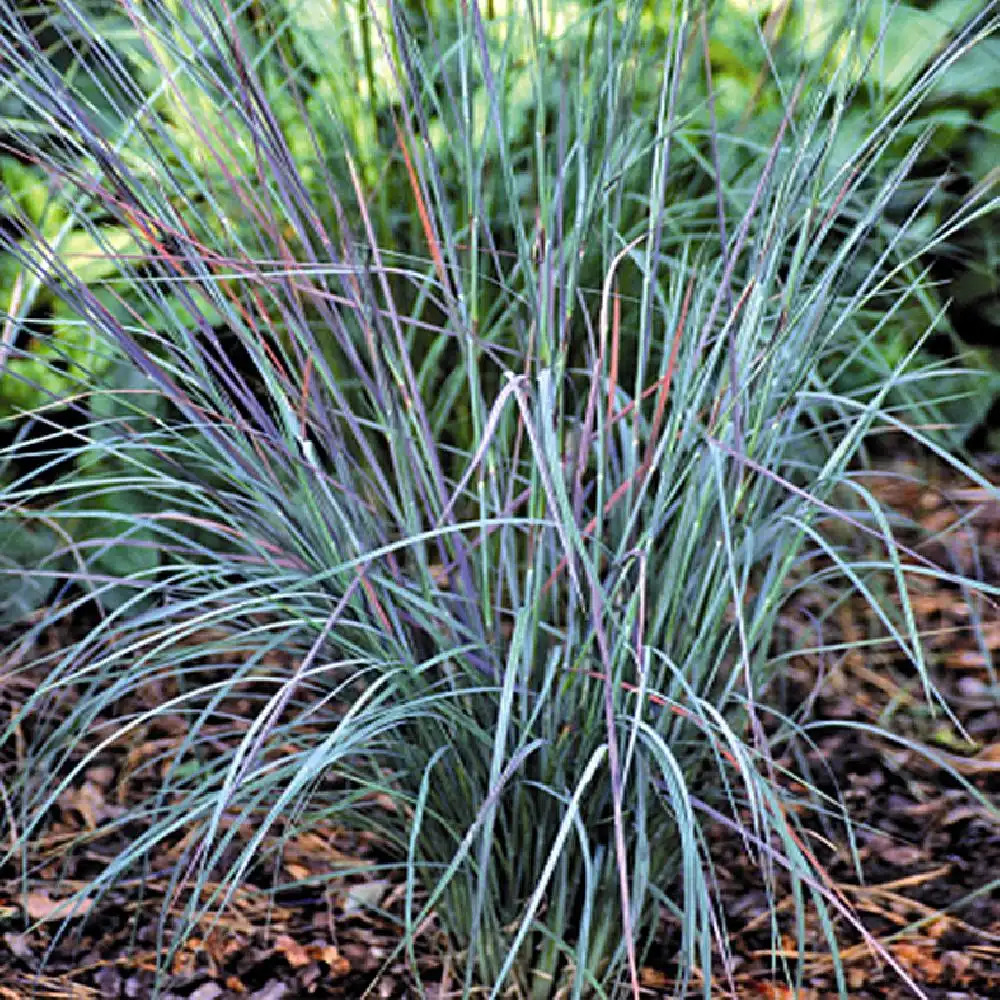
(27, 569)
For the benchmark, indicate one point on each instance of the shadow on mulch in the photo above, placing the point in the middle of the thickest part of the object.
(922, 870)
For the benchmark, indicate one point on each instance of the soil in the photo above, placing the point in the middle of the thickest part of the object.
(921, 873)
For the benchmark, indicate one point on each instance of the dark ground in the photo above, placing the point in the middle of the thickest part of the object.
(929, 850)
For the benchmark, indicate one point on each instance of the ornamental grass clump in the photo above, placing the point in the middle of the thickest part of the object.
(453, 413)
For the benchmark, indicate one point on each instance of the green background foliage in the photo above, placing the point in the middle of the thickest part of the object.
(334, 58)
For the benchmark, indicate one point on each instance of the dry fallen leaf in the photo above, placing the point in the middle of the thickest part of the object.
(40, 906)
(904, 855)
(339, 966)
(297, 872)
(653, 979)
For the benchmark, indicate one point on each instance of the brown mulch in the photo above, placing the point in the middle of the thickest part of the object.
(928, 850)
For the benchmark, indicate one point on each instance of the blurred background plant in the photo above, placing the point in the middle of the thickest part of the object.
(508, 368)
